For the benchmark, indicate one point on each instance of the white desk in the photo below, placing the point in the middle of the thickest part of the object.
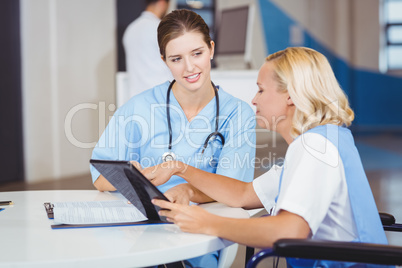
(26, 239)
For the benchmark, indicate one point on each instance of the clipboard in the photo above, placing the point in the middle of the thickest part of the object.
(132, 185)
(49, 210)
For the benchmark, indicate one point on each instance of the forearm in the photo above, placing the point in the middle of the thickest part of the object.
(259, 232)
(223, 189)
(256, 232)
(102, 184)
(184, 193)
(199, 197)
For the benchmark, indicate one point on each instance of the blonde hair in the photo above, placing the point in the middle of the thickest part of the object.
(308, 78)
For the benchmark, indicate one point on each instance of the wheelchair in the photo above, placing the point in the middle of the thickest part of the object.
(333, 250)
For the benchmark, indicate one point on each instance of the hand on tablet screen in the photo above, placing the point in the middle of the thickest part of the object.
(161, 173)
(180, 194)
(136, 165)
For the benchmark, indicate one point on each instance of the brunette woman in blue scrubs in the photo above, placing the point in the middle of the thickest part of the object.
(188, 119)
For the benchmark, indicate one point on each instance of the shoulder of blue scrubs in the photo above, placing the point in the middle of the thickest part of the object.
(237, 124)
(232, 104)
(111, 145)
(137, 103)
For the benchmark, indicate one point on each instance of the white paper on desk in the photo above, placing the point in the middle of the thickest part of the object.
(92, 212)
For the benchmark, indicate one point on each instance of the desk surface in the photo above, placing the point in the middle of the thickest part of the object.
(26, 238)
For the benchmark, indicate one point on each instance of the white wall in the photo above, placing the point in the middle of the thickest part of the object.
(68, 62)
(366, 34)
(350, 28)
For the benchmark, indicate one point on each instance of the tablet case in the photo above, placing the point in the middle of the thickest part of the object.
(132, 185)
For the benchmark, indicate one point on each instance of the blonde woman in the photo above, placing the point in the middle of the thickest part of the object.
(323, 191)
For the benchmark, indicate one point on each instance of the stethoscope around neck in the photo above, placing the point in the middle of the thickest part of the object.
(169, 155)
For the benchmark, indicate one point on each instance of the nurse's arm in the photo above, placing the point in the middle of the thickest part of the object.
(223, 189)
(102, 184)
(200, 197)
(256, 232)
(184, 193)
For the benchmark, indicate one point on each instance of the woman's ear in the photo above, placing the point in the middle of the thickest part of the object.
(289, 101)
(212, 49)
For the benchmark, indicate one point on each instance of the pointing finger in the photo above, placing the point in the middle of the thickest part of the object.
(163, 204)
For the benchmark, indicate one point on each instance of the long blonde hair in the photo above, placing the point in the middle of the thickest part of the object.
(308, 78)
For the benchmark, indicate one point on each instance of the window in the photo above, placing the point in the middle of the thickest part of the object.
(392, 54)
(204, 8)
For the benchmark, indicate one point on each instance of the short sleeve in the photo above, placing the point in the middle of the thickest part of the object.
(115, 140)
(313, 173)
(266, 186)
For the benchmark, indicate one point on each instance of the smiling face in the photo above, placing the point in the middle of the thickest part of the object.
(189, 59)
(273, 107)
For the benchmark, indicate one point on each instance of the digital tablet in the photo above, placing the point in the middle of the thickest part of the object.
(132, 185)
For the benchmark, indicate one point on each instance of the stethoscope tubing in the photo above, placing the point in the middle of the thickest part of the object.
(215, 133)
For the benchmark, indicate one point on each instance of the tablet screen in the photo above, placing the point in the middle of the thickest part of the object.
(132, 185)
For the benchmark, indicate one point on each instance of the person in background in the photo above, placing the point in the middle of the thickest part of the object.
(189, 119)
(323, 191)
(144, 65)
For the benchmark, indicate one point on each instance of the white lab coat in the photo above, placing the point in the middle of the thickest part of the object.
(145, 67)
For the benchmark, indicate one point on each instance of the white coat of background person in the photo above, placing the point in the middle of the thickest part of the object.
(144, 65)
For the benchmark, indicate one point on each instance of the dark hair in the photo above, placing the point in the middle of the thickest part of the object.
(178, 22)
(148, 2)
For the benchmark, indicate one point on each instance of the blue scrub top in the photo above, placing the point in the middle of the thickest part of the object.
(139, 131)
